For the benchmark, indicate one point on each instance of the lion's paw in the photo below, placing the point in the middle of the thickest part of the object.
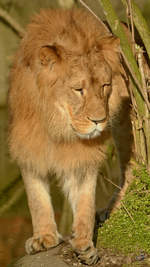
(41, 243)
(88, 256)
(85, 251)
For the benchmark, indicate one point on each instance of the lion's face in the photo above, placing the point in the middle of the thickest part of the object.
(79, 88)
(87, 91)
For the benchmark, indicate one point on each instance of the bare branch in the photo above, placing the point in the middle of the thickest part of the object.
(14, 25)
(12, 200)
(91, 11)
(136, 81)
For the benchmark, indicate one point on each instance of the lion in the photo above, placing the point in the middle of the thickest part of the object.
(67, 89)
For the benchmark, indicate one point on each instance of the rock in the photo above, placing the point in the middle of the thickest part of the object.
(50, 258)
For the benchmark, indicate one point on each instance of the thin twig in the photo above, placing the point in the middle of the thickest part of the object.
(8, 19)
(140, 59)
(146, 129)
(129, 214)
(141, 68)
(117, 186)
(92, 12)
(121, 202)
(132, 25)
(135, 140)
(127, 12)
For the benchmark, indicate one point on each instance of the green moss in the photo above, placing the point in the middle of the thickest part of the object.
(130, 234)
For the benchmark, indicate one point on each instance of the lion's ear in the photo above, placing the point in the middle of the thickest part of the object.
(110, 43)
(49, 55)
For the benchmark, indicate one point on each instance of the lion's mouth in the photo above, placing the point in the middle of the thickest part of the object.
(90, 135)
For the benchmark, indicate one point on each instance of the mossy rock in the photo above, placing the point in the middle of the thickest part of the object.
(128, 229)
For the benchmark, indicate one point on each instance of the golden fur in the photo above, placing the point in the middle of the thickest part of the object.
(67, 86)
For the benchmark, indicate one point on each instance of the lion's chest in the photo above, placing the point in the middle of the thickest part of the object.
(70, 156)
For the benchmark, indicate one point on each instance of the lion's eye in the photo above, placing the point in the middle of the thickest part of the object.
(105, 89)
(80, 90)
(106, 85)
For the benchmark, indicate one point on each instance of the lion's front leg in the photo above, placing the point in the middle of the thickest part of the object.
(82, 198)
(45, 233)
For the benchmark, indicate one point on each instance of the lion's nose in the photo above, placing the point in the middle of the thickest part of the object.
(96, 121)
